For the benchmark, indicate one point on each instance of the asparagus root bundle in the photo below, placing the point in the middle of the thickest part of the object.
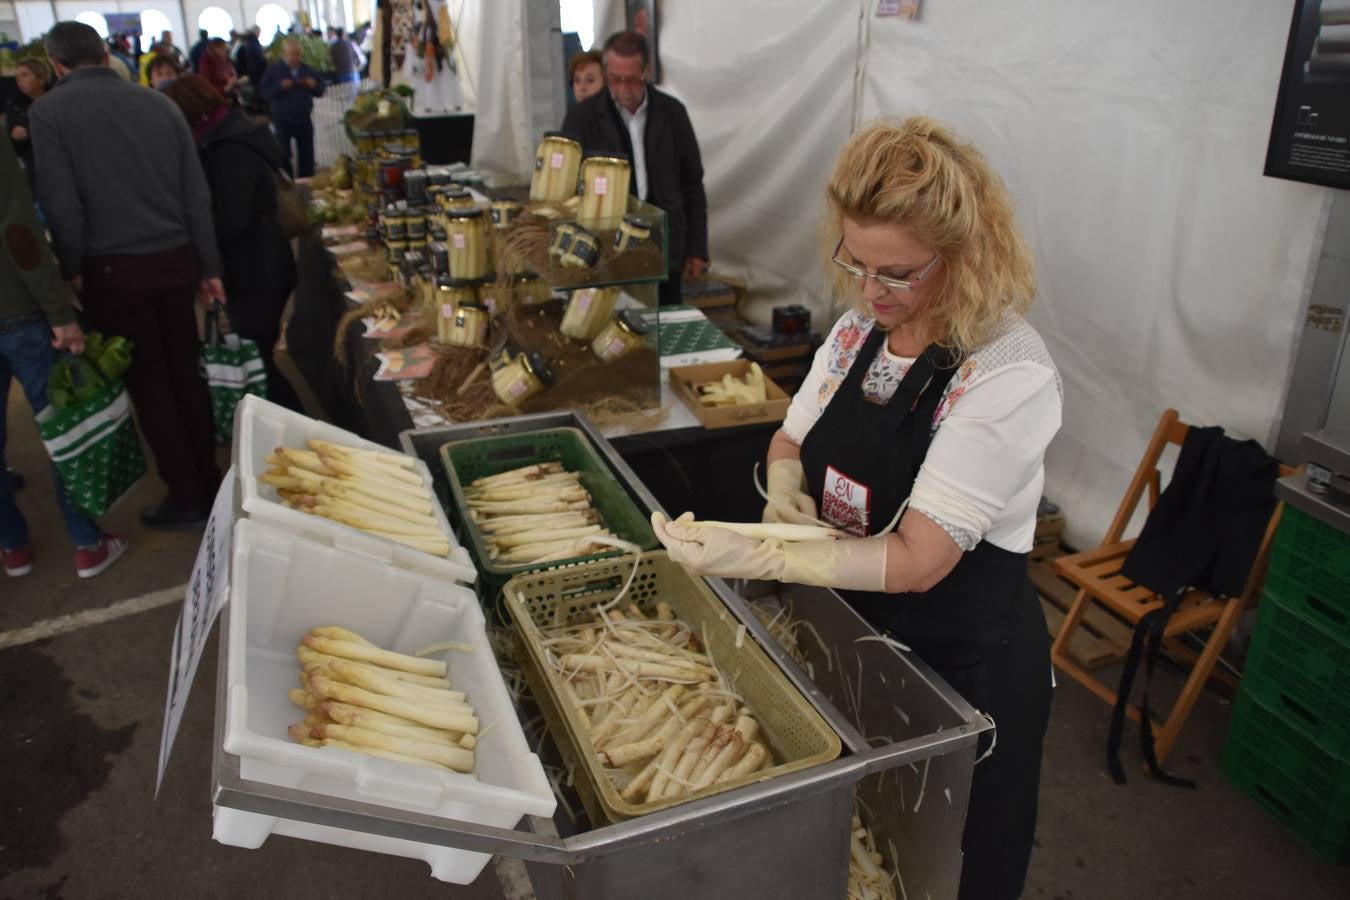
(380, 493)
(360, 697)
(536, 513)
(660, 716)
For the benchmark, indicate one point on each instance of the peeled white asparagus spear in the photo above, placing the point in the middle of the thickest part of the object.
(346, 714)
(584, 550)
(754, 757)
(619, 755)
(383, 754)
(613, 721)
(282, 482)
(298, 697)
(380, 657)
(536, 470)
(589, 662)
(540, 537)
(558, 479)
(531, 506)
(306, 655)
(299, 478)
(627, 652)
(374, 469)
(398, 460)
(665, 763)
(669, 729)
(569, 489)
(302, 459)
(651, 717)
(716, 742)
(349, 471)
(448, 755)
(730, 752)
(496, 527)
(364, 677)
(338, 633)
(430, 714)
(300, 734)
(360, 517)
(679, 776)
(762, 531)
(343, 491)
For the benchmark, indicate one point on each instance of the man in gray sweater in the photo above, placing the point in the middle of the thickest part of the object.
(130, 215)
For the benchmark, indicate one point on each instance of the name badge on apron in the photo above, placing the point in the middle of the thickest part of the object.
(846, 504)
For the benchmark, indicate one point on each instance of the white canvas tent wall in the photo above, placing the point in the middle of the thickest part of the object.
(1132, 137)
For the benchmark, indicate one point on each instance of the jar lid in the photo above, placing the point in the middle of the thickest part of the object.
(631, 320)
(611, 155)
(473, 304)
(461, 284)
(464, 213)
(537, 366)
(563, 136)
(637, 222)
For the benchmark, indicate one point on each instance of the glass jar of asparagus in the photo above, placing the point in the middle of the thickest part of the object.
(556, 162)
(451, 293)
(604, 191)
(466, 239)
(468, 326)
(574, 246)
(520, 379)
(529, 289)
(625, 333)
(588, 310)
(633, 230)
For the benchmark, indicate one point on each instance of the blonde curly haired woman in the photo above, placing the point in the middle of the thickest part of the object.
(934, 390)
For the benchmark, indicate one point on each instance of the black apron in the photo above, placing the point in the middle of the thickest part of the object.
(980, 628)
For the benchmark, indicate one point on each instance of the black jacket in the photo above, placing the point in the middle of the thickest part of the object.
(674, 167)
(1208, 524)
(240, 160)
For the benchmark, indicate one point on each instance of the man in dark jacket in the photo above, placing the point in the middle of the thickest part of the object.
(132, 231)
(654, 131)
(290, 87)
(195, 53)
(250, 60)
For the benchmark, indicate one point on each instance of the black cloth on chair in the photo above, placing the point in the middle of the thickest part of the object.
(1204, 533)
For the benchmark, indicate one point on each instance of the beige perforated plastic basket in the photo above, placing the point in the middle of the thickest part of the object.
(796, 734)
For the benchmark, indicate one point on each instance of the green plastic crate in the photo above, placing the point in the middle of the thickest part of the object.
(467, 461)
(1302, 671)
(1292, 778)
(1307, 572)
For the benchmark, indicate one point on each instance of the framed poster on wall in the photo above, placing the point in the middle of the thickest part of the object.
(1310, 134)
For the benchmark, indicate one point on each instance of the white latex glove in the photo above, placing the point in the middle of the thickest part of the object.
(854, 564)
(785, 482)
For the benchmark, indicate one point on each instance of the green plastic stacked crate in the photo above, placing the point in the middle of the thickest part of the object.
(1289, 747)
(469, 460)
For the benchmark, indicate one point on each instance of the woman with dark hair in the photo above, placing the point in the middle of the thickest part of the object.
(241, 160)
(216, 67)
(162, 71)
(586, 72)
(32, 77)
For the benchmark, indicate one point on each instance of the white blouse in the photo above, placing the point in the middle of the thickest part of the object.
(983, 475)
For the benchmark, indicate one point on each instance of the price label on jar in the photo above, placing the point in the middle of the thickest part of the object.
(447, 310)
(583, 300)
(601, 185)
(556, 161)
(516, 389)
(615, 347)
(459, 242)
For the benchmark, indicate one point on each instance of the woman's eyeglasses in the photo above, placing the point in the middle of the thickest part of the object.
(896, 284)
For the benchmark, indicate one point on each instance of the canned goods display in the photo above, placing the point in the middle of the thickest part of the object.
(556, 162)
(625, 333)
(504, 213)
(588, 309)
(531, 290)
(604, 190)
(466, 241)
(453, 198)
(520, 379)
(583, 253)
(633, 230)
(394, 222)
(451, 294)
(439, 255)
(468, 326)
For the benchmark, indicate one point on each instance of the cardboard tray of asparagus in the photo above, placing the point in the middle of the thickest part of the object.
(658, 696)
(334, 486)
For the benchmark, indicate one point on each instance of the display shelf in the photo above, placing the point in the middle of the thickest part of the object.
(645, 262)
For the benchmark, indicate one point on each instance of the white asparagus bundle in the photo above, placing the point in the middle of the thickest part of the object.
(733, 391)
(535, 514)
(360, 697)
(379, 493)
(659, 714)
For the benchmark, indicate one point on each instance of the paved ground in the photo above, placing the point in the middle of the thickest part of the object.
(83, 710)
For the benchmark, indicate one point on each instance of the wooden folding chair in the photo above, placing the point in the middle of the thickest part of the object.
(1096, 574)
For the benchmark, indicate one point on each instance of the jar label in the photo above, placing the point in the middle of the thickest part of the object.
(601, 185)
(556, 161)
(615, 347)
(516, 389)
(447, 310)
(459, 242)
(583, 300)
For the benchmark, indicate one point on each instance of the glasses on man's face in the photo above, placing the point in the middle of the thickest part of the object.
(624, 80)
(907, 283)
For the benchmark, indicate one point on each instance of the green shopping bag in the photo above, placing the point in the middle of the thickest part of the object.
(90, 436)
(233, 368)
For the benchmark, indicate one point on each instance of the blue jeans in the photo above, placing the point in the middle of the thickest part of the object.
(26, 354)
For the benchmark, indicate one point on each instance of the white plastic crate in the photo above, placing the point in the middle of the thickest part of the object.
(281, 586)
(260, 427)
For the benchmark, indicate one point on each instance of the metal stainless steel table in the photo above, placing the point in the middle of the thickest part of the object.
(910, 744)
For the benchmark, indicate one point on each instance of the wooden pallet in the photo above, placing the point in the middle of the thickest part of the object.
(1101, 641)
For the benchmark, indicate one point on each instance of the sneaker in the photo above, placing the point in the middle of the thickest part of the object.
(97, 559)
(18, 561)
(172, 516)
